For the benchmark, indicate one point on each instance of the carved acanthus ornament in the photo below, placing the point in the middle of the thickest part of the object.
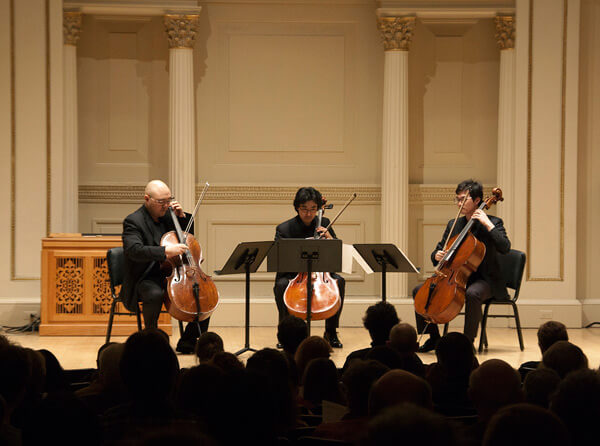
(181, 30)
(396, 32)
(505, 32)
(71, 27)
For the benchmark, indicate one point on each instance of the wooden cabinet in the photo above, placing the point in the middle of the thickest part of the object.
(76, 294)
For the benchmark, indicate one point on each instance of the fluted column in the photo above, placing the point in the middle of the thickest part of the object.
(505, 37)
(397, 34)
(70, 202)
(181, 31)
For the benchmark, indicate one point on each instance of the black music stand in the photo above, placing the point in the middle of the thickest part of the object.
(306, 255)
(385, 258)
(246, 258)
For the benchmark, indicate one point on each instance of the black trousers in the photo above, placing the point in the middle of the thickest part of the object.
(281, 284)
(476, 294)
(151, 293)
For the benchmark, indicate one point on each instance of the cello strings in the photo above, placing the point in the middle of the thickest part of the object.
(456, 219)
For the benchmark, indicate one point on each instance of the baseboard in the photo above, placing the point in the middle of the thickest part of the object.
(590, 311)
(263, 312)
(15, 312)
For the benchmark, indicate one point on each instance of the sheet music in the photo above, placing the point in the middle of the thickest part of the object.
(349, 253)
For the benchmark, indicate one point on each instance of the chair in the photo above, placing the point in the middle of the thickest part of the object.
(512, 265)
(115, 262)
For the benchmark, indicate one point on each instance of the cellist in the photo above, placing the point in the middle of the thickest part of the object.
(487, 280)
(143, 279)
(307, 202)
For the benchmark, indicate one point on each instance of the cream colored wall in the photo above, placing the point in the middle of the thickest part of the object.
(588, 186)
(289, 93)
(29, 38)
(123, 100)
(453, 84)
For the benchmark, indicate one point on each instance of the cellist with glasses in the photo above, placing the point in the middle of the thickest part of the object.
(486, 281)
(307, 203)
(143, 278)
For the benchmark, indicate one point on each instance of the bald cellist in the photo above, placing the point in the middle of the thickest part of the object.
(487, 280)
(143, 279)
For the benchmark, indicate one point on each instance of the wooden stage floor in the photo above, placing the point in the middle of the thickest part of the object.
(80, 351)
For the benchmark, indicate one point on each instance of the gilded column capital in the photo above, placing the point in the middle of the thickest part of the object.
(396, 32)
(181, 30)
(505, 32)
(71, 27)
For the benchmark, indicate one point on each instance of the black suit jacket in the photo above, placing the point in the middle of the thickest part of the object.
(495, 241)
(142, 249)
(294, 228)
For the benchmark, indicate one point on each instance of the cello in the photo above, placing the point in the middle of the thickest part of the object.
(325, 299)
(442, 296)
(191, 295)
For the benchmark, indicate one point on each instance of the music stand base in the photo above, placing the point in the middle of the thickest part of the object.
(244, 350)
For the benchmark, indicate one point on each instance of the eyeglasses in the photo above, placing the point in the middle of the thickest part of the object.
(307, 210)
(459, 200)
(164, 200)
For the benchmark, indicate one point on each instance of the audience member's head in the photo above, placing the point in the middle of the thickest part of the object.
(399, 386)
(564, 357)
(37, 381)
(357, 380)
(227, 362)
(15, 375)
(539, 385)
(551, 332)
(403, 338)
(4, 341)
(208, 345)
(291, 331)
(379, 320)
(492, 385)
(270, 363)
(109, 371)
(200, 392)
(270, 370)
(55, 375)
(100, 350)
(321, 382)
(577, 404)
(525, 425)
(455, 355)
(311, 348)
(410, 424)
(149, 366)
(386, 355)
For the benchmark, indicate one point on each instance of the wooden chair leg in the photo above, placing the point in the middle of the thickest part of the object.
(110, 320)
(446, 328)
(139, 318)
(518, 323)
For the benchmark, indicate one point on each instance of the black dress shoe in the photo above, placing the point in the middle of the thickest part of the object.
(333, 339)
(430, 344)
(185, 346)
(279, 346)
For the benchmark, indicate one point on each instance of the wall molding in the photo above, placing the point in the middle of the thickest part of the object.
(367, 194)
